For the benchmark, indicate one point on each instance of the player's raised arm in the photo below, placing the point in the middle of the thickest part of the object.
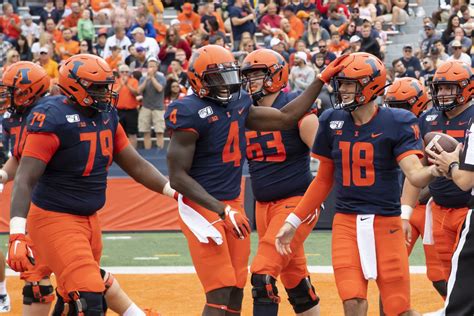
(270, 119)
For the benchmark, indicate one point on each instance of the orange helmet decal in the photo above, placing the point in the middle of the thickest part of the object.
(459, 77)
(23, 83)
(274, 67)
(407, 93)
(370, 75)
(87, 79)
(213, 73)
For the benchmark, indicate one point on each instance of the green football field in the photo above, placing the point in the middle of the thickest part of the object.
(170, 249)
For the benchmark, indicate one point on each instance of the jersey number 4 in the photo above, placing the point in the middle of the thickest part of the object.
(362, 159)
(106, 148)
(231, 152)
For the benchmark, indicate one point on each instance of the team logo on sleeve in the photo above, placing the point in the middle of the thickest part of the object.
(207, 111)
(431, 118)
(73, 118)
(336, 124)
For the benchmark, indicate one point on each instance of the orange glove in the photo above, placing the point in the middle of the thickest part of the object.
(20, 257)
(236, 222)
(332, 69)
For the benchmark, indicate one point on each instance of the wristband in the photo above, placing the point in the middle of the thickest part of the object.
(293, 220)
(18, 225)
(3, 176)
(407, 210)
(168, 190)
(451, 166)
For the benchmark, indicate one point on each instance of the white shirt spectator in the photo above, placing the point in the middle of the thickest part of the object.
(301, 75)
(465, 58)
(33, 30)
(150, 45)
(123, 43)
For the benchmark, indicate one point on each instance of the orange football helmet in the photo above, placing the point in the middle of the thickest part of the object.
(370, 76)
(23, 83)
(407, 93)
(459, 78)
(214, 74)
(270, 67)
(87, 80)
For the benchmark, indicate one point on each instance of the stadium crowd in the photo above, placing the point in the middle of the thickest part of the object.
(150, 57)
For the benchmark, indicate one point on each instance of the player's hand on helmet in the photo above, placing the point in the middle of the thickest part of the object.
(283, 239)
(20, 256)
(236, 222)
(332, 69)
(406, 231)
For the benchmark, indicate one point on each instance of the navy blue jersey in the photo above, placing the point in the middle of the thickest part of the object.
(75, 177)
(444, 191)
(278, 161)
(365, 157)
(220, 147)
(15, 127)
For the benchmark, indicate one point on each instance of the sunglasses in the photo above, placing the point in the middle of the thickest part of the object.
(15, 56)
(322, 46)
(457, 47)
(425, 63)
(43, 53)
(314, 23)
(175, 86)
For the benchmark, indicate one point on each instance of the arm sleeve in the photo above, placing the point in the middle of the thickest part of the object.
(409, 139)
(41, 146)
(467, 155)
(120, 140)
(318, 189)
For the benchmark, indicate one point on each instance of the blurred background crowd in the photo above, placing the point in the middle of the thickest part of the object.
(148, 43)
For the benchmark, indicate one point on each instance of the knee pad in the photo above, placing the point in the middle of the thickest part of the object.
(86, 304)
(264, 290)
(108, 279)
(33, 292)
(303, 297)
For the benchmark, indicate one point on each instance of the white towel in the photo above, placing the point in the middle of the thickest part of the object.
(199, 226)
(366, 245)
(428, 236)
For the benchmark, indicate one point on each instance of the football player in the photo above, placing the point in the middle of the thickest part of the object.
(360, 147)
(71, 141)
(205, 159)
(276, 159)
(409, 94)
(452, 88)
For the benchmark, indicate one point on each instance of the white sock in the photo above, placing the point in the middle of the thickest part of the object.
(3, 287)
(133, 310)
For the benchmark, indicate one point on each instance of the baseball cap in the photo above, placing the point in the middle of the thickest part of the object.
(174, 22)
(123, 67)
(44, 49)
(354, 39)
(27, 16)
(407, 46)
(153, 59)
(302, 14)
(289, 8)
(137, 30)
(456, 43)
(302, 56)
(187, 7)
(275, 41)
(429, 26)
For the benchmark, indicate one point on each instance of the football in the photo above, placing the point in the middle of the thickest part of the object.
(448, 143)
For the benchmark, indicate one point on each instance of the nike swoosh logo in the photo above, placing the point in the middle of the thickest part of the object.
(375, 135)
(105, 122)
(363, 219)
(392, 231)
(463, 123)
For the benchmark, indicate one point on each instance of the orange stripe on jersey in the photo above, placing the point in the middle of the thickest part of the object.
(41, 146)
(120, 140)
(192, 130)
(456, 133)
(417, 152)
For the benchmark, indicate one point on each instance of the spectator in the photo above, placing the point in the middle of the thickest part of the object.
(448, 34)
(49, 11)
(29, 29)
(287, 33)
(431, 37)
(84, 47)
(99, 47)
(61, 9)
(441, 51)
(118, 39)
(336, 18)
(173, 91)
(458, 53)
(323, 49)
(324, 9)
(145, 25)
(367, 9)
(101, 7)
(400, 70)
(180, 55)
(152, 111)
(465, 13)
(48, 63)
(68, 47)
(12, 57)
(242, 20)
(176, 72)
(72, 19)
(45, 39)
(139, 65)
(296, 24)
(398, 15)
(10, 23)
(355, 44)
(190, 21)
(428, 71)
(127, 104)
(410, 61)
(85, 28)
(151, 46)
(123, 11)
(115, 59)
(313, 34)
(466, 42)
(56, 35)
(270, 22)
(369, 44)
(154, 7)
(300, 46)
(23, 48)
(209, 16)
(171, 44)
(143, 9)
(161, 29)
(421, 32)
(132, 55)
(301, 75)
(337, 46)
(305, 5)
(383, 37)
(348, 30)
(278, 46)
